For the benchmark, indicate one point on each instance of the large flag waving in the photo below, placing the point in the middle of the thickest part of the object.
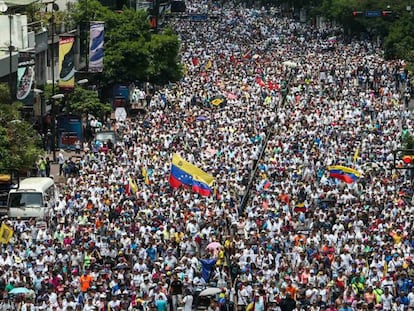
(346, 174)
(185, 173)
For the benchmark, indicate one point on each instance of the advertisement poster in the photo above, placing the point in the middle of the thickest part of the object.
(25, 78)
(96, 47)
(120, 96)
(67, 62)
(69, 130)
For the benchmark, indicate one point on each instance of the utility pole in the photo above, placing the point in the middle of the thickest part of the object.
(3, 9)
(11, 48)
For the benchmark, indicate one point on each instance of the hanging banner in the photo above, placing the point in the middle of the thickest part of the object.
(67, 62)
(25, 77)
(96, 47)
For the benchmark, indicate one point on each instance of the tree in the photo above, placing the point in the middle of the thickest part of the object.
(85, 102)
(132, 51)
(407, 140)
(163, 66)
(19, 142)
(400, 41)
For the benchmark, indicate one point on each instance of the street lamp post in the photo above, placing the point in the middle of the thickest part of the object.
(53, 121)
(39, 93)
(82, 82)
(54, 96)
(3, 9)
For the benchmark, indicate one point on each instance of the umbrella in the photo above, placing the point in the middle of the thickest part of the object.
(201, 118)
(121, 266)
(231, 96)
(210, 291)
(20, 290)
(213, 245)
(290, 64)
(218, 100)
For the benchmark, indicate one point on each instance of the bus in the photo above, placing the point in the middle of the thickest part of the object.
(34, 198)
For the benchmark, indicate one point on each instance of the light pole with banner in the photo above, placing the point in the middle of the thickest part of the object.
(3, 9)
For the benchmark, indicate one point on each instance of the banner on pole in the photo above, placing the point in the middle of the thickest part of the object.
(25, 78)
(96, 47)
(67, 62)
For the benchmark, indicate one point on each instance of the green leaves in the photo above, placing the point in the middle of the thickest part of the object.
(396, 29)
(84, 102)
(19, 142)
(164, 65)
(400, 41)
(132, 51)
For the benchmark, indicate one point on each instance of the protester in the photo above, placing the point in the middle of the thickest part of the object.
(261, 93)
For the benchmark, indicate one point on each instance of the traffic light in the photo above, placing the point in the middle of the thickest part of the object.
(403, 159)
(408, 159)
(153, 23)
(357, 13)
(386, 13)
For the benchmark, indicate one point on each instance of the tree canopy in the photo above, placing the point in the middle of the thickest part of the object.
(133, 52)
(83, 101)
(19, 142)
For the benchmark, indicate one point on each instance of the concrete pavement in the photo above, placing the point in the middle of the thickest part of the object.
(54, 167)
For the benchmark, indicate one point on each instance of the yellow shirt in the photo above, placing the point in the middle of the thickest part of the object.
(179, 236)
(220, 257)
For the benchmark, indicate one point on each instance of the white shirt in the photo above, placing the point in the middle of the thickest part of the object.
(410, 297)
(188, 302)
(61, 158)
(386, 301)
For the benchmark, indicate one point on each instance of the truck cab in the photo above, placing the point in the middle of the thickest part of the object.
(9, 179)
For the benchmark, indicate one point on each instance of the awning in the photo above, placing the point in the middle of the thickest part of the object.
(15, 3)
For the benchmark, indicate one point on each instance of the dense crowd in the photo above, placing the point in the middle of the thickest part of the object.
(294, 99)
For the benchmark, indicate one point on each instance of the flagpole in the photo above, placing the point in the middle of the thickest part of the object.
(270, 134)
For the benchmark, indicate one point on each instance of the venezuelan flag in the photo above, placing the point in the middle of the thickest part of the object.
(200, 187)
(343, 173)
(265, 184)
(300, 208)
(185, 173)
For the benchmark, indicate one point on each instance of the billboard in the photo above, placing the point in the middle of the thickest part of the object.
(25, 77)
(96, 47)
(69, 130)
(67, 62)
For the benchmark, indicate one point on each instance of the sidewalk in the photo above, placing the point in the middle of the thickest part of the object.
(54, 167)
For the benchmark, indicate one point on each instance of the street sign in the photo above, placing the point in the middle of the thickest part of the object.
(198, 17)
(120, 114)
(372, 13)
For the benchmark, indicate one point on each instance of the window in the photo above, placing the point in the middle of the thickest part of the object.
(26, 199)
